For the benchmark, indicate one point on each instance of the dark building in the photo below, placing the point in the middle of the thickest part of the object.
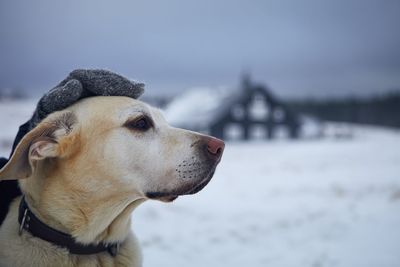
(251, 112)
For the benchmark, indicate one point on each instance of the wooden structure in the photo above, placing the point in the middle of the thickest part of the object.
(251, 112)
(254, 114)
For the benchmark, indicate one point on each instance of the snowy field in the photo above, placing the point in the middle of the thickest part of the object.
(316, 203)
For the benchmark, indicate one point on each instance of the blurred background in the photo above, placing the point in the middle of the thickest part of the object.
(306, 94)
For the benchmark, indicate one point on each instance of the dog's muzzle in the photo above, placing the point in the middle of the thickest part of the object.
(195, 173)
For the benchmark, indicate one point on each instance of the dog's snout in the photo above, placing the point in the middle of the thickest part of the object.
(215, 147)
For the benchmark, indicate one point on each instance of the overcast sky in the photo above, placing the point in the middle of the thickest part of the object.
(311, 47)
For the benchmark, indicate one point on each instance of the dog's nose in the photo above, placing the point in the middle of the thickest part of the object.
(215, 147)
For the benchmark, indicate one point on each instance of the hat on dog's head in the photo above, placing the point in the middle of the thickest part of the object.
(105, 83)
(83, 83)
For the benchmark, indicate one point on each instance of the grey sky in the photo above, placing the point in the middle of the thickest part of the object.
(310, 47)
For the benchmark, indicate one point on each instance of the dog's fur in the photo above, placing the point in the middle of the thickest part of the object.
(83, 170)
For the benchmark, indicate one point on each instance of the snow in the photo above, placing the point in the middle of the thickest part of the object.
(320, 202)
(303, 203)
(196, 106)
(13, 114)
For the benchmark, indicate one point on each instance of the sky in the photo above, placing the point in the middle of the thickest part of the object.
(299, 48)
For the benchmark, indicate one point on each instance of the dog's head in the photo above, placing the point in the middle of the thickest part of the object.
(113, 146)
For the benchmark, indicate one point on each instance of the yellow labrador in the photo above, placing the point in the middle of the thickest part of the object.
(83, 170)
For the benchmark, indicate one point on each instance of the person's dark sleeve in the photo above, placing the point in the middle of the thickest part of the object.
(23, 130)
(9, 188)
(3, 161)
(8, 191)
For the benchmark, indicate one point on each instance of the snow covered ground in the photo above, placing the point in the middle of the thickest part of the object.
(316, 203)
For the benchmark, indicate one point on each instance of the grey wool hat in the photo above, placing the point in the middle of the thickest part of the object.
(82, 83)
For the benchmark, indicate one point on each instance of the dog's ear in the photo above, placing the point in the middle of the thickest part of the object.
(49, 139)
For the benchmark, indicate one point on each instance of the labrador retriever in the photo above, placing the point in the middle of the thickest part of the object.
(83, 170)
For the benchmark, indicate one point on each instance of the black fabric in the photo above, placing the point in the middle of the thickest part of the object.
(9, 189)
(22, 131)
(38, 229)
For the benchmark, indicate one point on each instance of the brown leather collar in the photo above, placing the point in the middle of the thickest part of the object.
(30, 223)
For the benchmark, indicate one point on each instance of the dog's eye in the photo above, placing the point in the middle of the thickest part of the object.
(142, 124)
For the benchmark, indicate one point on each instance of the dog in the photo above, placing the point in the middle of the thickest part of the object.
(84, 169)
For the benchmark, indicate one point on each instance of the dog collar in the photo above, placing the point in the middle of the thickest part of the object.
(30, 223)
